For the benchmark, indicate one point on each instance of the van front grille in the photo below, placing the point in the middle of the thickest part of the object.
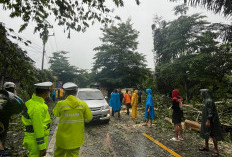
(95, 108)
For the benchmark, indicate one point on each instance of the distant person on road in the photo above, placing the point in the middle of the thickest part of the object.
(37, 121)
(121, 95)
(134, 104)
(72, 113)
(177, 115)
(149, 109)
(115, 103)
(140, 97)
(61, 94)
(54, 95)
(210, 124)
(10, 104)
(127, 100)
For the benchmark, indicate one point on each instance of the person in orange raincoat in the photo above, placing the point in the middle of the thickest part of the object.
(127, 100)
(134, 104)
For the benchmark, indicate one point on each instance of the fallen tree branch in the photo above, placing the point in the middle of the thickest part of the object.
(192, 125)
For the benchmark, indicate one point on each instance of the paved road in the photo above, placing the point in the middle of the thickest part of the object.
(121, 137)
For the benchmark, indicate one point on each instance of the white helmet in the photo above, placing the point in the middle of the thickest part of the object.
(70, 86)
(9, 85)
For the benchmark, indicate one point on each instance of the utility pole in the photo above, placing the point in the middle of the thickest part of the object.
(44, 35)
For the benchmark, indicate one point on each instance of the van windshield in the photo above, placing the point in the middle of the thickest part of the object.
(90, 95)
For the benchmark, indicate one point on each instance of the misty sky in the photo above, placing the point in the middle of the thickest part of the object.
(81, 45)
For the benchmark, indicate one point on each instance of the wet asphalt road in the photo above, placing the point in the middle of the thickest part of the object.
(121, 137)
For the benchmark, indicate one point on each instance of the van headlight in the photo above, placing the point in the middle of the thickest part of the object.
(106, 107)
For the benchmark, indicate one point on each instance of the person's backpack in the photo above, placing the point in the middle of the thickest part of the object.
(10, 103)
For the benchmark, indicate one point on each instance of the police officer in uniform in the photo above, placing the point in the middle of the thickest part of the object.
(72, 113)
(37, 121)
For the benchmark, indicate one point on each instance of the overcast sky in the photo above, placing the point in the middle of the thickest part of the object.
(81, 45)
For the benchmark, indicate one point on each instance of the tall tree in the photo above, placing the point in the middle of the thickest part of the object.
(61, 67)
(179, 37)
(117, 63)
(65, 72)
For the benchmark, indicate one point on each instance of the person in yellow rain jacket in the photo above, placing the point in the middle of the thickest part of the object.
(72, 114)
(134, 104)
(61, 93)
(37, 121)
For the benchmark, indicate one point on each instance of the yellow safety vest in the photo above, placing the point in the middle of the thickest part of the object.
(37, 121)
(72, 114)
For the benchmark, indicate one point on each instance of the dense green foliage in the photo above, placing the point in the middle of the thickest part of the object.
(189, 56)
(76, 15)
(217, 6)
(117, 64)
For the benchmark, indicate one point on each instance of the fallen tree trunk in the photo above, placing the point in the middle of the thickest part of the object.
(193, 125)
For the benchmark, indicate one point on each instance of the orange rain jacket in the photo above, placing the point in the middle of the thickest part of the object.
(127, 98)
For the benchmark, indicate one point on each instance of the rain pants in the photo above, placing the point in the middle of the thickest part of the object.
(134, 104)
(37, 123)
(72, 114)
(149, 103)
(115, 102)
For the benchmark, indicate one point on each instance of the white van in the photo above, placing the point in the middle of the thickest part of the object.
(96, 102)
